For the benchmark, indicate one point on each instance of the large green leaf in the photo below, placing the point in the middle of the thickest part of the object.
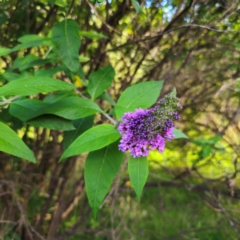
(100, 169)
(178, 134)
(52, 122)
(100, 81)
(10, 76)
(81, 125)
(93, 139)
(12, 144)
(141, 95)
(27, 109)
(65, 35)
(33, 85)
(72, 108)
(57, 96)
(138, 173)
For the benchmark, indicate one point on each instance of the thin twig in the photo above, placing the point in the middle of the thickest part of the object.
(101, 18)
(169, 31)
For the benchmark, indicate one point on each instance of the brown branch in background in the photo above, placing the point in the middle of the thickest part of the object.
(46, 19)
(101, 18)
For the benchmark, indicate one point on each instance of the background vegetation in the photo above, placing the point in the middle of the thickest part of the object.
(193, 187)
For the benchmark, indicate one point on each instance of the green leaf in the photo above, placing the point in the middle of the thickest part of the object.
(31, 40)
(28, 62)
(173, 93)
(81, 125)
(5, 51)
(83, 59)
(207, 141)
(215, 139)
(105, 96)
(80, 73)
(238, 84)
(93, 139)
(92, 34)
(33, 85)
(6, 117)
(61, 3)
(12, 144)
(178, 134)
(55, 97)
(52, 2)
(141, 95)
(138, 173)
(137, 6)
(51, 122)
(100, 169)
(100, 81)
(65, 35)
(27, 109)
(23, 63)
(9, 76)
(48, 72)
(206, 151)
(72, 108)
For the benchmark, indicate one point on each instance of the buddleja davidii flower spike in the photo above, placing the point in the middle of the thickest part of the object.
(148, 129)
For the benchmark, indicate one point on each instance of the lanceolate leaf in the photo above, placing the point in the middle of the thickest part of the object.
(137, 6)
(57, 96)
(93, 139)
(51, 122)
(65, 35)
(138, 173)
(178, 134)
(100, 169)
(9, 76)
(100, 81)
(81, 125)
(141, 95)
(31, 40)
(92, 34)
(27, 109)
(72, 108)
(12, 144)
(33, 85)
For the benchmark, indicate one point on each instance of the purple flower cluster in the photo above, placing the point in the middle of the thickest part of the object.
(145, 130)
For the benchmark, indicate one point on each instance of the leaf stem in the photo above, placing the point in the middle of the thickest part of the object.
(109, 118)
(105, 114)
(7, 101)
